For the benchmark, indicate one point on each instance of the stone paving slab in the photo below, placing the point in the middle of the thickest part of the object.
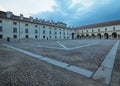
(104, 72)
(75, 69)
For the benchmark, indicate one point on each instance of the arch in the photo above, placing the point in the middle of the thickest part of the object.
(82, 36)
(99, 35)
(87, 35)
(114, 35)
(106, 36)
(78, 36)
(93, 35)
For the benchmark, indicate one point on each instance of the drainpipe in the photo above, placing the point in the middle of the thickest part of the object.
(19, 32)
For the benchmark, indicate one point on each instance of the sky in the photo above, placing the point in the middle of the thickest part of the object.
(73, 12)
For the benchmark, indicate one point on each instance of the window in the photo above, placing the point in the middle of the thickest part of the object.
(60, 33)
(36, 31)
(26, 30)
(55, 37)
(86, 30)
(36, 36)
(49, 27)
(98, 30)
(50, 37)
(36, 26)
(26, 24)
(15, 36)
(82, 31)
(14, 30)
(105, 29)
(43, 26)
(114, 28)
(1, 36)
(0, 29)
(55, 32)
(49, 32)
(0, 21)
(14, 23)
(44, 37)
(26, 36)
(92, 30)
(64, 33)
(43, 31)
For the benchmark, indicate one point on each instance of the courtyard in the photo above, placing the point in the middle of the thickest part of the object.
(60, 63)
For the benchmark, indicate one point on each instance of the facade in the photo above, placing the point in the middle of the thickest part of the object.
(106, 30)
(15, 28)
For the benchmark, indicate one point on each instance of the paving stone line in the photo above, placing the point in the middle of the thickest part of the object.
(69, 67)
(104, 72)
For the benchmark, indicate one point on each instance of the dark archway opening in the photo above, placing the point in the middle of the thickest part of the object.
(78, 36)
(93, 35)
(87, 35)
(114, 35)
(106, 36)
(82, 36)
(99, 36)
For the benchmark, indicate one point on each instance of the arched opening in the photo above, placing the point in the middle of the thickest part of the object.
(99, 35)
(82, 36)
(78, 36)
(87, 35)
(92, 35)
(106, 36)
(114, 35)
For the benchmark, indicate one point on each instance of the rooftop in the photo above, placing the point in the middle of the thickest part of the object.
(103, 24)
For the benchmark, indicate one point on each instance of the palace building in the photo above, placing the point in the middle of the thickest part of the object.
(105, 30)
(13, 28)
(16, 28)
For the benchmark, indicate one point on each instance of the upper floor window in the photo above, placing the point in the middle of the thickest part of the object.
(43, 31)
(114, 28)
(50, 32)
(82, 31)
(92, 30)
(0, 28)
(43, 26)
(14, 23)
(86, 30)
(26, 30)
(36, 31)
(105, 29)
(0, 21)
(60, 33)
(36, 26)
(55, 32)
(49, 27)
(14, 30)
(98, 30)
(26, 24)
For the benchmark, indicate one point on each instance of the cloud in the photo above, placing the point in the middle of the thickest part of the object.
(26, 7)
(72, 12)
(83, 12)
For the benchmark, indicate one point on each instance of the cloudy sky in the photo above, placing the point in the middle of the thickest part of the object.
(72, 12)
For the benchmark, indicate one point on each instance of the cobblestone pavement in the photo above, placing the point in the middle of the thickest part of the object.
(22, 70)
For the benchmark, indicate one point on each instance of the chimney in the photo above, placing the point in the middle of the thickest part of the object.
(31, 19)
(9, 14)
(21, 16)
